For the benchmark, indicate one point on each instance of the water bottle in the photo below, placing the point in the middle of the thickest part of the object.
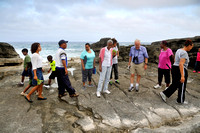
(94, 70)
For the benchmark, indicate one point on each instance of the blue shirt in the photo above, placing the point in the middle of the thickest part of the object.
(88, 59)
(141, 53)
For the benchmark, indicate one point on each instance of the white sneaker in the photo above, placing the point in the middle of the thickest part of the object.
(164, 98)
(137, 88)
(23, 94)
(21, 84)
(185, 102)
(107, 91)
(157, 86)
(46, 86)
(130, 89)
(98, 94)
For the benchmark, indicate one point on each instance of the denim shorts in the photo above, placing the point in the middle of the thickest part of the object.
(40, 79)
(26, 73)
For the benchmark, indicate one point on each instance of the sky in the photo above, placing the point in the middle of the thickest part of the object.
(90, 20)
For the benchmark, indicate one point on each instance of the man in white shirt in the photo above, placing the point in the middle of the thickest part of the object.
(105, 65)
(62, 73)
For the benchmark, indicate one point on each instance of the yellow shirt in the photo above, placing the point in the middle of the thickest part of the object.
(53, 65)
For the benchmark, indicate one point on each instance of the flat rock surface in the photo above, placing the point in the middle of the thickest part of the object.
(120, 111)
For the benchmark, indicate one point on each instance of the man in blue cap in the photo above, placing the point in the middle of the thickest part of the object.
(62, 73)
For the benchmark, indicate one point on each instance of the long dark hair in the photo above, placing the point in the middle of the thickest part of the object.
(34, 47)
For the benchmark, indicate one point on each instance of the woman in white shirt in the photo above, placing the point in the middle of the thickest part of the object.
(105, 65)
(38, 79)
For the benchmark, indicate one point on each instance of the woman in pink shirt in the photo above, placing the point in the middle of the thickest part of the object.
(197, 64)
(166, 59)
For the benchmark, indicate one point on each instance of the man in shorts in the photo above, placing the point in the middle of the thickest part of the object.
(27, 66)
(138, 60)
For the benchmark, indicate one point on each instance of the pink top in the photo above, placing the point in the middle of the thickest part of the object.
(198, 56)
(102, 53)
(164, 58)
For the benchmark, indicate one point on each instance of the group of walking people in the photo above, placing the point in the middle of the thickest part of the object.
(108, 63)
(58, 67)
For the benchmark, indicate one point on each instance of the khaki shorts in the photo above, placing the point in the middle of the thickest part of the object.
(137, 68)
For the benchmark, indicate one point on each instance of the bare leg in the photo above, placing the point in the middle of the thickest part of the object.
(132, 78)
(27, 88)
(49, 82)
(40, 91)
(22, 79)
(32, 90)
(167, 85)
(90, 82)
(138, 78)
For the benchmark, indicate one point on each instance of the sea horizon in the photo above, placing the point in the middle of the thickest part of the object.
(74, 49)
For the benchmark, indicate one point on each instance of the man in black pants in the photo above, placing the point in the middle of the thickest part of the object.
(179, 74)
(62, 73)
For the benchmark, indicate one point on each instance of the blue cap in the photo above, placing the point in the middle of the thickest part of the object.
(62, 41)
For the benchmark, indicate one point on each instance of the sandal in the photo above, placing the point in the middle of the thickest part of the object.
(30, 101)
(39, 98)
(74, 95)
(62, 95)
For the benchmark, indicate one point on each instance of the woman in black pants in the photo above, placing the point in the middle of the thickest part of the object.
(179, 74)
(166, 59)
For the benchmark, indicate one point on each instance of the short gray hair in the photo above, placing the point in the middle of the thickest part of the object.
(137, 40)
(109, 41)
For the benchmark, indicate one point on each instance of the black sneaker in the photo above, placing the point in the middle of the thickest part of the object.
(90, 85)
(110, 82)
(117, 81)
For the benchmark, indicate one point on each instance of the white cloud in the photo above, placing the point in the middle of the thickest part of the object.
(138, 4)
(85, 20)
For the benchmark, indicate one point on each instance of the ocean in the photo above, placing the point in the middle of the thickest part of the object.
(74, 49)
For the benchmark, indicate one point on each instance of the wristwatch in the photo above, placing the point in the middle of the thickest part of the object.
(146, 63)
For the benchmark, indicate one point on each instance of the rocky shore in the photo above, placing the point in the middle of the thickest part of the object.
(8, 55)
(121, 111)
